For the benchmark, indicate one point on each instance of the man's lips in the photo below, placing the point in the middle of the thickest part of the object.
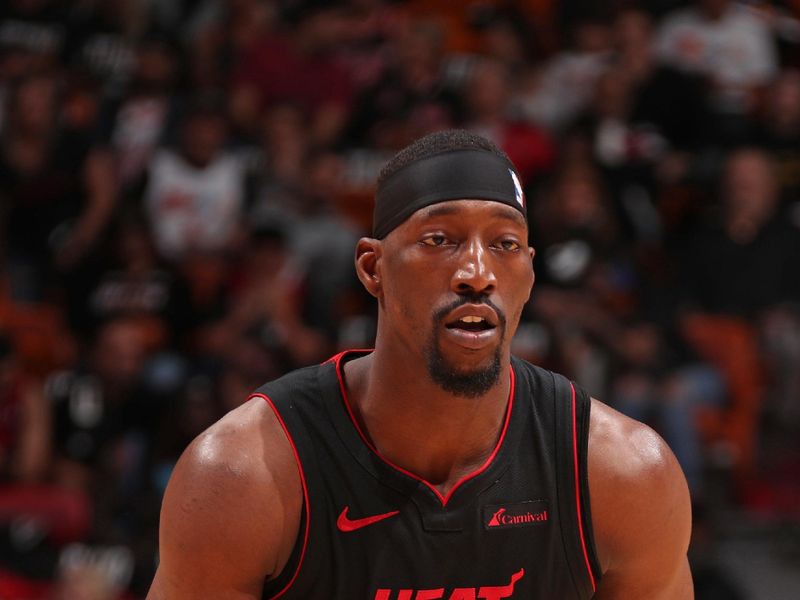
(472, 339)
(472, 326)
(472, 318)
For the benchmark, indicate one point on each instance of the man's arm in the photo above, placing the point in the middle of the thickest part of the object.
(231, 511)
(99, 180)
(641, 510)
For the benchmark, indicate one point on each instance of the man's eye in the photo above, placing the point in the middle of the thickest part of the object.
(434, 240)
(509, 245)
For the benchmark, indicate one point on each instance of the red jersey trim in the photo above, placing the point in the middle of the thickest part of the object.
(337, 357)
(578, 489)
(305, 495)
(444, 499)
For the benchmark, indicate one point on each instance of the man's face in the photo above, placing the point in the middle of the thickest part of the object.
(454, 279)
(714, 9)
(203, 137)
(751, 189)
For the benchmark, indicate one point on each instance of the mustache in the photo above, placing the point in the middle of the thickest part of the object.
(463, 299)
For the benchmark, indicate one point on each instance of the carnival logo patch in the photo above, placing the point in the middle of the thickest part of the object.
(521, 514)
(520, 197)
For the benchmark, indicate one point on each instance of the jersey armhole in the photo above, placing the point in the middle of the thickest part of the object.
(276, 587)
(572, 418)
(583, 413)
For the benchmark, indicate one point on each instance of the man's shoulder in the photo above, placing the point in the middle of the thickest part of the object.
(247, 443)
(252, 439)
(623, 444)
(636, 485)
(238, 470)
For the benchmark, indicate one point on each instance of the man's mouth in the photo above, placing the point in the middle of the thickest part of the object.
(472, 323)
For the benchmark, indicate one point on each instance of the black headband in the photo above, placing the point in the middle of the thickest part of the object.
(453, 175)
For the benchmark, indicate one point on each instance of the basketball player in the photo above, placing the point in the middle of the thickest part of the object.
(436, 465)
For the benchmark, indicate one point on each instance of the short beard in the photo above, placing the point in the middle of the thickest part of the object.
(470, 384)
(466, 384)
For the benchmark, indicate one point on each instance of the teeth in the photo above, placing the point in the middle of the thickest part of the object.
(471, 319)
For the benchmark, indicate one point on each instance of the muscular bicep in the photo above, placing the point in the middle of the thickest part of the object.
(641, 511)
(228, 518)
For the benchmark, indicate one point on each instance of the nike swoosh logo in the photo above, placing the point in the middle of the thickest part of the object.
(345, 524)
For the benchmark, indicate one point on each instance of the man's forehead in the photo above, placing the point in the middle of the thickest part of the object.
(466, 206)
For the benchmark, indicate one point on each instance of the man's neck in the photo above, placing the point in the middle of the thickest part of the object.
(415, 424)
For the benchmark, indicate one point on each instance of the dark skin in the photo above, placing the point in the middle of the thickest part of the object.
(214, 541)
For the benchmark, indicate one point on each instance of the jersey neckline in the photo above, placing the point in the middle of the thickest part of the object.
(401, 479)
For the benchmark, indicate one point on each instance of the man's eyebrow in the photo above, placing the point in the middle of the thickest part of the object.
(511, 215)
(446, 210)
(440, 210)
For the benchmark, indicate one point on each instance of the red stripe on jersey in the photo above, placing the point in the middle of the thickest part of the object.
(578, 488)
(305, 494)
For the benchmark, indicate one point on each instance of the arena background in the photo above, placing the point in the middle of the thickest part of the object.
(182, 183)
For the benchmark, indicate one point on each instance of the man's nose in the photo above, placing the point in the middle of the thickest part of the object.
(475, 273)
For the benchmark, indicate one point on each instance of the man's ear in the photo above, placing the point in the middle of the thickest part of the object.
(532, 253)
(368, 264)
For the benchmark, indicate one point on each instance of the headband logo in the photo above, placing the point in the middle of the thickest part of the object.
(520, 197)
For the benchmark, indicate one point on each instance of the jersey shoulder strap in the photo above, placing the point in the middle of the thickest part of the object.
(572, 412)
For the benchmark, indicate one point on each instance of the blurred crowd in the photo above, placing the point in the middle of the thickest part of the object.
(182, 185)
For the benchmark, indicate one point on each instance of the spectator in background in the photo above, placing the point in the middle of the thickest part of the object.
(281, 155)
(564, 86)
(303, 193)
(266, 308)
(217, 35)
(25, 427)
(100, 428)
(744, 259)
(59, 196)
(296, 69)
(508, 36)
(137, 284)
(647, 123)
(779, 130)
(195, 408)
(590, 296)
(195, 193)
(368, 29)
(92, 573)
(99, 42)
(32, 36)
(583, 275)
(656, 384)
(628, 150)
(487, 95)
(106, 412)
(97, 404)
(662, 100)
(36, 518)
(729, 45)
(140, 117)
(739, 269)
(412, 98)
(321, 240)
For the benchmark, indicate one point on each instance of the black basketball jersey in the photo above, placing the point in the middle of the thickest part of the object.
(517, 527)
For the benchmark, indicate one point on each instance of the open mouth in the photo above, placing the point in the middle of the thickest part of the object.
(470, 323)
